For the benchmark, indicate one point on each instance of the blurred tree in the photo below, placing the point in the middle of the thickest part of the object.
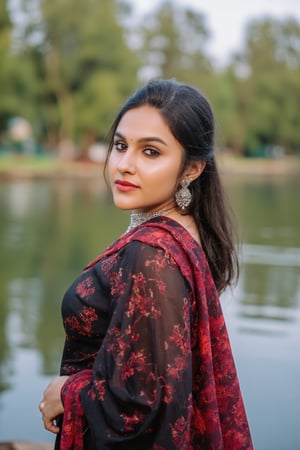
(66, 67)
(269, 87)
(5, 32)
(19, 84)
(89, 67)
(174, 42)
(173, 45)
(85, 69)
(13, 81)
(224, 96)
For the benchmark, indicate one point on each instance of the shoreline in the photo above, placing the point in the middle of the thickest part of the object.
(24, 445)
(15, 168)
(235, 166)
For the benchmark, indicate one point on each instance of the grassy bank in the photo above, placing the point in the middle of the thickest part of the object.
(230, 165)
(44, 167)
(25, 446)
(15, 167)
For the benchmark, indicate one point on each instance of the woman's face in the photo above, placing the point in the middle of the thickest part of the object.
(145, 162)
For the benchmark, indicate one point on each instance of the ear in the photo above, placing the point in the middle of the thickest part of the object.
(194, 170)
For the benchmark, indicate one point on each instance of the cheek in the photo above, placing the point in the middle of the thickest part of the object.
(167, 185)
(164, 179)
(110, 167)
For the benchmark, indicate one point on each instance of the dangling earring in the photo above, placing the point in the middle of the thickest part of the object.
(183, 197)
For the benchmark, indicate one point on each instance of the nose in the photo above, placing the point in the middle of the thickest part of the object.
(126, 162)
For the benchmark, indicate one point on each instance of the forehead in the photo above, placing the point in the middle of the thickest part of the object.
(144, 120)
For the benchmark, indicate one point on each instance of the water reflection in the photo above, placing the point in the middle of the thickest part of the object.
(267, 210)
(270, 283)
(49, 230)
(24, 312)
(269, 299)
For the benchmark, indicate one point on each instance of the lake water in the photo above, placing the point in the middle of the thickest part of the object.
(50, 229)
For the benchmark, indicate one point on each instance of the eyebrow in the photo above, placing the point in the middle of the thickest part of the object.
(143, 139)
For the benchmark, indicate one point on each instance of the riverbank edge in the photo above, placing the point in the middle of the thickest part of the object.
(20, 445)
(29, 168)
(231, 165)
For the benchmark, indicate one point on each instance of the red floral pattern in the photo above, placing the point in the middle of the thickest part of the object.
(147, 350)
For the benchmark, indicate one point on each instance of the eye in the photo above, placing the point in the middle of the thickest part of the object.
(120, 146)
(152, 152)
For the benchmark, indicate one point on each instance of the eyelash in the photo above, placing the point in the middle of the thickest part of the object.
(149, 151)
(120, 146)
(153, 152)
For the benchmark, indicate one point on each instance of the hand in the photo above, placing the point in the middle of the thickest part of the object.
(51, 405)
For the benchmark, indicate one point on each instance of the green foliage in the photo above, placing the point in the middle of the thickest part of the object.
(269, 94)
(224, 96)
(67, 67)
(88, 66)
(76, 67)
(174, 41)
(5, 32)
(255, 98)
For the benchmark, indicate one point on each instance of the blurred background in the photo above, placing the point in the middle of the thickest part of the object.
(66, 68)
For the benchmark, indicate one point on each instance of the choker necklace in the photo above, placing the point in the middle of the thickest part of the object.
(139, 218)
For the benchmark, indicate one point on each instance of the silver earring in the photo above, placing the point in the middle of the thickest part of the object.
(183, 197)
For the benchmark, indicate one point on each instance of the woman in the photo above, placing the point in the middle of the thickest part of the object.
(147, 362)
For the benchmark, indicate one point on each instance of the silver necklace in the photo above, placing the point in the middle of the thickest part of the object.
(139, 218)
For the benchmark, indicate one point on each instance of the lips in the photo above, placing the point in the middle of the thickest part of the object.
(125, 183)
(125, 186)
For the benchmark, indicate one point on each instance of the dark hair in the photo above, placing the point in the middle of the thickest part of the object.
(191, 121)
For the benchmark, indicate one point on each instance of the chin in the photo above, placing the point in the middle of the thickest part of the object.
(123, 206)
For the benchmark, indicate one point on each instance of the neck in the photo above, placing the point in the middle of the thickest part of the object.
(139, 218)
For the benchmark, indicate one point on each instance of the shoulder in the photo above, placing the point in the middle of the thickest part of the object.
(159, 234)
(159, 237)
(139, 256)
(170, 236)
(143, 253)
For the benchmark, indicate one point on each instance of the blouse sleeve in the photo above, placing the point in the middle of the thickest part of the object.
(139, 391)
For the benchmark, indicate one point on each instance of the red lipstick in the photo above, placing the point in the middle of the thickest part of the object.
(125, 186)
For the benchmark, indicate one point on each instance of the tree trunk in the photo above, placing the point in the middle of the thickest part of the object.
(64, 102)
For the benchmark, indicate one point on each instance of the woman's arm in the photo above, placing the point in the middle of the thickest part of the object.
(51, 405)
